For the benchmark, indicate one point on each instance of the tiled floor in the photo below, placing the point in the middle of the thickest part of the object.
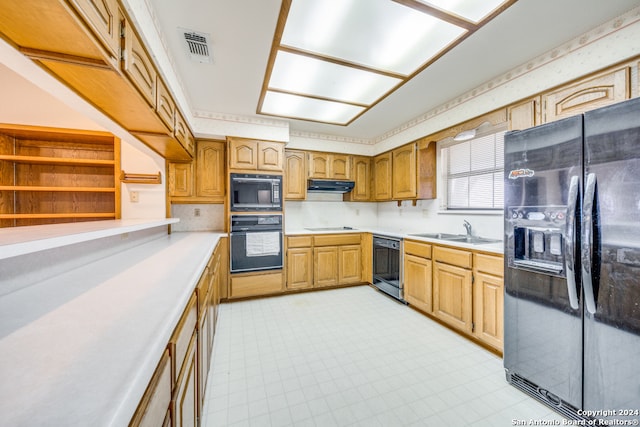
(353, 357)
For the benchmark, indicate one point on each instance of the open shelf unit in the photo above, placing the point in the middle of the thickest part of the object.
(50, 175)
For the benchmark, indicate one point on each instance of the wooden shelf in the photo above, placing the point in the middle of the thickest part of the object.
(59, 215)
(57, 161)
(60, 189)
(52, 176)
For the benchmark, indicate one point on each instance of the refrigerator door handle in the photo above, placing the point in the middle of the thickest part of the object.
(570, 242)
(587, 241)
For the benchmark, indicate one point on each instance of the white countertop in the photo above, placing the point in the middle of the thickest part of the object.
(79, 349)
(496, 248)
(15, 241)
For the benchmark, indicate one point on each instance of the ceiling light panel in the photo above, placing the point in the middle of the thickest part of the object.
(300, 107)
(310, 76)
(473, 10)
(379, 34)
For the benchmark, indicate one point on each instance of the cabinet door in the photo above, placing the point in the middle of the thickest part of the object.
(488, 303)
(525, 114)
(319, 165)
(596, 92)
(349, 264)
(203, 357)
(361, 173)
(382, 177)
(165, 106)
(339, 167)
(452, 296)
(243, 154)
(417, 282)
(102, 17)
(295, 176)
(183, 134)
(404, 172)
(270, 156)
(325, 266)
(186, 397)
(210, 170)
(180, 179)
(138, 67)
(299, 268)
(154, 405)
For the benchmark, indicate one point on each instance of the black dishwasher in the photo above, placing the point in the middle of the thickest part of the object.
(387, 266)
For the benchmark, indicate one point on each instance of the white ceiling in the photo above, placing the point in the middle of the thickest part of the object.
(242, 34)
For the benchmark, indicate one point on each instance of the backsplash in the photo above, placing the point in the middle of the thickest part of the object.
(323, 213)
(424, 217)
(198, 217)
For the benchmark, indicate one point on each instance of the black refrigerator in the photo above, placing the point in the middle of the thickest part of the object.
(572, 263)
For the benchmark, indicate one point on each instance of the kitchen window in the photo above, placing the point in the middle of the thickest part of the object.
(473, 172)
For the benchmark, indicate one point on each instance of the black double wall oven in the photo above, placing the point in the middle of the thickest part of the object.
(256, 239)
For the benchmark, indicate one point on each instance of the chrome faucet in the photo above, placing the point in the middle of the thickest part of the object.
(467, 226)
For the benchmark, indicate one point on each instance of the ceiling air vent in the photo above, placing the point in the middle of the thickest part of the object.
(197, 46)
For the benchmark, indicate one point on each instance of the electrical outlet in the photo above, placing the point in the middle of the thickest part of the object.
(134, 196)
(196, 212)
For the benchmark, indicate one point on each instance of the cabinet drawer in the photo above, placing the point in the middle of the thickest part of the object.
(299, 241)
(452, 256)
(419, 249)
(153, 407)
(489, 264)
(336, 240)
(182, 335)
(263, 284)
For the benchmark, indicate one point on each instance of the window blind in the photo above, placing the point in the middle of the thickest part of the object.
(473, 172)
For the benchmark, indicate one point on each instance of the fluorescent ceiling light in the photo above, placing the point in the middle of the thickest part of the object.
(332, 60)
(379, 34)
(309, 76)
(300, 107)
(473, 10)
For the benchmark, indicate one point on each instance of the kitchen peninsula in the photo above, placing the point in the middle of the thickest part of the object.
(86, 312)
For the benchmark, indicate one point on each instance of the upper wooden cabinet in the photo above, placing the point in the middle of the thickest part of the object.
(200, 181)
(137, 65)
(525, 114)
(382, 177)
(251, 154)
(101, 16)
(81, 31)
(93, 48)
(361, 174)
(295, 175)
(329, 166)
(604, 89)
(403, 167)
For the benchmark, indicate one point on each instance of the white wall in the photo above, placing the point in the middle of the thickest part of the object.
(137, 158)
(328, 210)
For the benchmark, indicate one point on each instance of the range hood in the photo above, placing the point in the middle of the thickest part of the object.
(329, 186)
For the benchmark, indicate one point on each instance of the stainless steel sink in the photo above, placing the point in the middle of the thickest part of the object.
(462, 238)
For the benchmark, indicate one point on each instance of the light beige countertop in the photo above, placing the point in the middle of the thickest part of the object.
(496, 248)
(79, 348)
(16, 241)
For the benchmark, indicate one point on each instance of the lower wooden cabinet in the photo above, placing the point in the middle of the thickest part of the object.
(255, 284)
(488, 300)
(299, 268)
(452, 296)
(152, 410)
(417, 282)
(325, 266)
(185, 401)
(452, 287)
(349, 264)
